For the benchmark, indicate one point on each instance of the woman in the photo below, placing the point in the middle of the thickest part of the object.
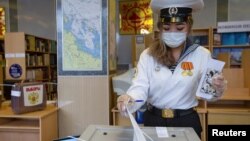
(168, 73)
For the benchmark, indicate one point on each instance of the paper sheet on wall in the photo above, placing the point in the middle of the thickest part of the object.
(138, 133)
(205, 89)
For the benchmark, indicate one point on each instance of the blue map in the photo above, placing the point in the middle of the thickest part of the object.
(82, 48)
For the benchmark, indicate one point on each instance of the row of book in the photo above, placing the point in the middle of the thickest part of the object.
(235, 54)
(200, 39)
(235, 38)
(37, 74)
(53, 47)
(51, 89)
(53, 73)
(37, 60)
(53, 60)
(40, 45)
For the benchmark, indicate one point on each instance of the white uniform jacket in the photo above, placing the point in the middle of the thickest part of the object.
(157, 85)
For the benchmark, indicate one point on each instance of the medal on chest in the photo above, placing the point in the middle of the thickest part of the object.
(187, 68)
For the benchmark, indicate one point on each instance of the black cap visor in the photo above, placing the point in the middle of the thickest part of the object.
(175, 14)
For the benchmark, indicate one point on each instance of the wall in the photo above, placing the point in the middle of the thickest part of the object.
(124, 45)
(209, 11)
(37, 17)
(238, 10)
(83, 101)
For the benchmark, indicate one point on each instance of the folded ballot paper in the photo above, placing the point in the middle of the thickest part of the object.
(205, 89)
(139, 135)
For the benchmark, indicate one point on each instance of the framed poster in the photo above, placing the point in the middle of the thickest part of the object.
(112, 37)
(135, 17)
(2, 23)
(82, 37)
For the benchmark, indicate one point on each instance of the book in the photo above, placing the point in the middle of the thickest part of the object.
(248, 39)
(200, 39)
(236, 56)
(228, 39)
(205, 89)
(217, 39)
(241, 38)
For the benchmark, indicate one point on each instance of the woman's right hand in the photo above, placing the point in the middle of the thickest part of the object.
(122, 101)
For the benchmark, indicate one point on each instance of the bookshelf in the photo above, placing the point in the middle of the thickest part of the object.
(202, 37)
(53, 70)
(230, 46)
(32, 58)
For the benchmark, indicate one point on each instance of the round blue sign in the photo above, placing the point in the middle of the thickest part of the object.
(15, 71)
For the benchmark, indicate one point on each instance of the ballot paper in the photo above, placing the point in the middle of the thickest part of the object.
(162, 132)
(139, 135)
(205, 89)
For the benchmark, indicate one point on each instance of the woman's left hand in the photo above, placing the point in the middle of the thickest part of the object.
(219, 83)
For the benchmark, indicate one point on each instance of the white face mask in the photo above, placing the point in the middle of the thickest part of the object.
(174, 39)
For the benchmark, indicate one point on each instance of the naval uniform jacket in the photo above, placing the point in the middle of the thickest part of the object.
(164, 89)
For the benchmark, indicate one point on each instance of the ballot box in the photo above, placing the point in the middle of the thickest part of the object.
(121, 133)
